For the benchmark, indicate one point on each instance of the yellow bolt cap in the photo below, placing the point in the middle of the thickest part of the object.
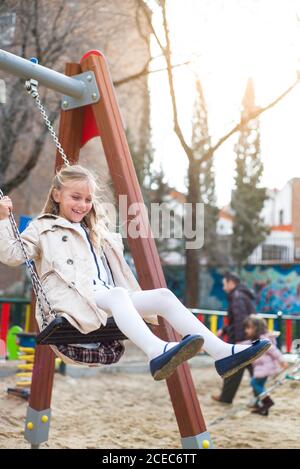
(205, 444)
(30, 426)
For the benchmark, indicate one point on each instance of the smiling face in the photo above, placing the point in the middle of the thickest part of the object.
(75, 200)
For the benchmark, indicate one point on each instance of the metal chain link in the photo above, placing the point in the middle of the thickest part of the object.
(36, 283)
(51, 129)
(32, 89)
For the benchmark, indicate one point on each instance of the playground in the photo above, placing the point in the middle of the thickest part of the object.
(84, 296)
(86, 423)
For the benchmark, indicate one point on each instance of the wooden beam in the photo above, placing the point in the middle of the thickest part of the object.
(70, 127)
(143, 249)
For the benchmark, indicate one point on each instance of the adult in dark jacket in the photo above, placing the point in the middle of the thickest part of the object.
(240, 305)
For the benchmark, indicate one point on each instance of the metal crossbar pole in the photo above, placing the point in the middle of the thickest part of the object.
(50, 78)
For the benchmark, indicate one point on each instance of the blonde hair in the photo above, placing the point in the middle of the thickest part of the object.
(96, 220)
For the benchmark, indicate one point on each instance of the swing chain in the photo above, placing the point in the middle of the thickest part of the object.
(36, 283)
(32, 89)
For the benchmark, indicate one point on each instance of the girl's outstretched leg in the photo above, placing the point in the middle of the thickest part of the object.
(163, 302)
(129, 321)
(164, 356)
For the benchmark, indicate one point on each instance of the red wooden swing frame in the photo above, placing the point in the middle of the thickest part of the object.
(75, 128)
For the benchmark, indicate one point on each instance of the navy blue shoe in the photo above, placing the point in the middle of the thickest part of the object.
(164, 365)
(230, 365)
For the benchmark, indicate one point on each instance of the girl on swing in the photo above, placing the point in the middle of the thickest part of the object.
(86, 278)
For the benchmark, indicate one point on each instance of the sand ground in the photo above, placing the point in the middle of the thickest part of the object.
(125, 408)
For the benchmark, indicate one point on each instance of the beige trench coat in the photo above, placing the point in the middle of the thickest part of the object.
(64, 265)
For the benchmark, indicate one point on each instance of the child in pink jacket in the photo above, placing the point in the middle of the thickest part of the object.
(267, 365)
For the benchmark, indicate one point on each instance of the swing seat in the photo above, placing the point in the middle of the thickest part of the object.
(61, 332)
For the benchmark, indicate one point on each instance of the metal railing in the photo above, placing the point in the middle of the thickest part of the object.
(12, 309)
(287, 325)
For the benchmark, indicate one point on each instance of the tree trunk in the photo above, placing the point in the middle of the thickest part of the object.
(192, 255)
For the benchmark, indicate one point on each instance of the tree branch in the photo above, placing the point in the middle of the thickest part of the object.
(253, 115)
(166, 51)
(145, 71)
(29, 165)
(145, 10)
(38, 145)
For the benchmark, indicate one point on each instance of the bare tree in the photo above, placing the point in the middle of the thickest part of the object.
(54, 34)
(45, 33)
(164, 43)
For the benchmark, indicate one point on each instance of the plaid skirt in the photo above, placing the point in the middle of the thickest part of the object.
(103, 354)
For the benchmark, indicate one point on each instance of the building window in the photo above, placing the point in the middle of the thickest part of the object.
(273, 252)
(281, 217)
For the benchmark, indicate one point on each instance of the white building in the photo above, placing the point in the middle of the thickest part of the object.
(281, 213)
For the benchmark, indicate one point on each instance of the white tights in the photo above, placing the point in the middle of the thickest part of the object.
(129, 307)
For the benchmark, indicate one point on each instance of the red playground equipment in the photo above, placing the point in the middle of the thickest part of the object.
(89, 108)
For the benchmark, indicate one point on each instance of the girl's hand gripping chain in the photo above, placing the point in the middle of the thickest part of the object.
(6, 207)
